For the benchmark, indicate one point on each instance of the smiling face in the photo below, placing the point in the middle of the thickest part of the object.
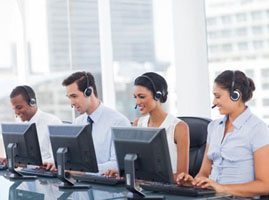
(22, 108)
(77, 98)
(144, 99)
(222, 100)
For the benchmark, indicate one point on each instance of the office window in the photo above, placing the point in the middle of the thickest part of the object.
(242, 46)
(250, 73)
(213, 34)
(241, 31)
(259, 44)
(265, 86)
(214, 48)
(265, 102)
(257, 15)
(267, 13)
(212, 21)
(265, 73)
(226, 19)
(252, 103)
(257, 30)
(227, 47)
(241, 17)
(141, 42)
(226, 33)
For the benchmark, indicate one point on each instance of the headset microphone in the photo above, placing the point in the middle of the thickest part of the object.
(213, 106)
(135, 107)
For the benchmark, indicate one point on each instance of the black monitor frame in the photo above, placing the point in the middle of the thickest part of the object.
(21, 146)
(142, 153)
(73, 149)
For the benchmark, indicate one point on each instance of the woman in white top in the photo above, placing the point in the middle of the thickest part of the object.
(150, 91)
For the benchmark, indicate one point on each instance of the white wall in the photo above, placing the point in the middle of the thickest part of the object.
(190, 58)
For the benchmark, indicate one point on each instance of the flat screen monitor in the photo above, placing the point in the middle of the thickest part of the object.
(21, 146)
(142, 153)
(73, 149)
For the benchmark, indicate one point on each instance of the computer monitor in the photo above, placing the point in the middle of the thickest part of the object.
(73, 149)
(21, 146)
(142, 153)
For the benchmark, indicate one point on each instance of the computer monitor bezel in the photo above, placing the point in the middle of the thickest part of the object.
(65, 144)
(21, 146)
(136, 162)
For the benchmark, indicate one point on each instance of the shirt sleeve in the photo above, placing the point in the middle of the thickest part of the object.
(112, 163)
(260, 136)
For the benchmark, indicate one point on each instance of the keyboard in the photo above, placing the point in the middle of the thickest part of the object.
(176, 189)
(98, 179)
(39, 172)
(3, 167)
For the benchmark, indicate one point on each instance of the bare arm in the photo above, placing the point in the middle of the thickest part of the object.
(205, 169)
(135, 122)
(182, 140)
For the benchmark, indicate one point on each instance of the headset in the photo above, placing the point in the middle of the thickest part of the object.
(88, 91)
(157, 94)
(32, 101)
(234, 94)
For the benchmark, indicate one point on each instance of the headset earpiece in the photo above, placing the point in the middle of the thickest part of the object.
(234, 94)
(88, 91)
(32, 102)
(157, 95)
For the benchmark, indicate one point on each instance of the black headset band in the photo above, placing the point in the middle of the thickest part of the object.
(151, 81)
(87, 80)
(27, 93)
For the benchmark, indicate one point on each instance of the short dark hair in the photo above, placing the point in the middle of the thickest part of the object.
(81, 79)
(26, 91)
(159, 82)
(242, 83)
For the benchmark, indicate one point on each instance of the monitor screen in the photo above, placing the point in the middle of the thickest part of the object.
(24, 136)
(151, 148)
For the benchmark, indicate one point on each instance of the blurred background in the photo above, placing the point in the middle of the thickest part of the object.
(43, 41)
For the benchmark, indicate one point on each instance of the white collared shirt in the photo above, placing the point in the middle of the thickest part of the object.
(42, 120)
(103, 119)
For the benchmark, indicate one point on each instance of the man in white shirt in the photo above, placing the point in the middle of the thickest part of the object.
(81, 90)
(23, 102)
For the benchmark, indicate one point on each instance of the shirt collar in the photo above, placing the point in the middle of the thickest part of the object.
(240, 120)
(35, 117)
(95, 115)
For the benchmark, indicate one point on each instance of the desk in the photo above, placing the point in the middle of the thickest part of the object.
(47, 189)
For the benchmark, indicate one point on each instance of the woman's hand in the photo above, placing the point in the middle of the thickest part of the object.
(184, 179)
(111, 173)
(204, 182)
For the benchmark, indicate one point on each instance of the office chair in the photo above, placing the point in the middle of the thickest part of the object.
(198, 136)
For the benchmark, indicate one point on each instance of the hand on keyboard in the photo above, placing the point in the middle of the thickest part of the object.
(205, 182)
(3, 161)
(184, 179)
(111, 173)
(47, 166)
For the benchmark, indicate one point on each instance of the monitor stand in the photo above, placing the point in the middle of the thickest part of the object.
(67, 184)
(129, 167)
(11, 152)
